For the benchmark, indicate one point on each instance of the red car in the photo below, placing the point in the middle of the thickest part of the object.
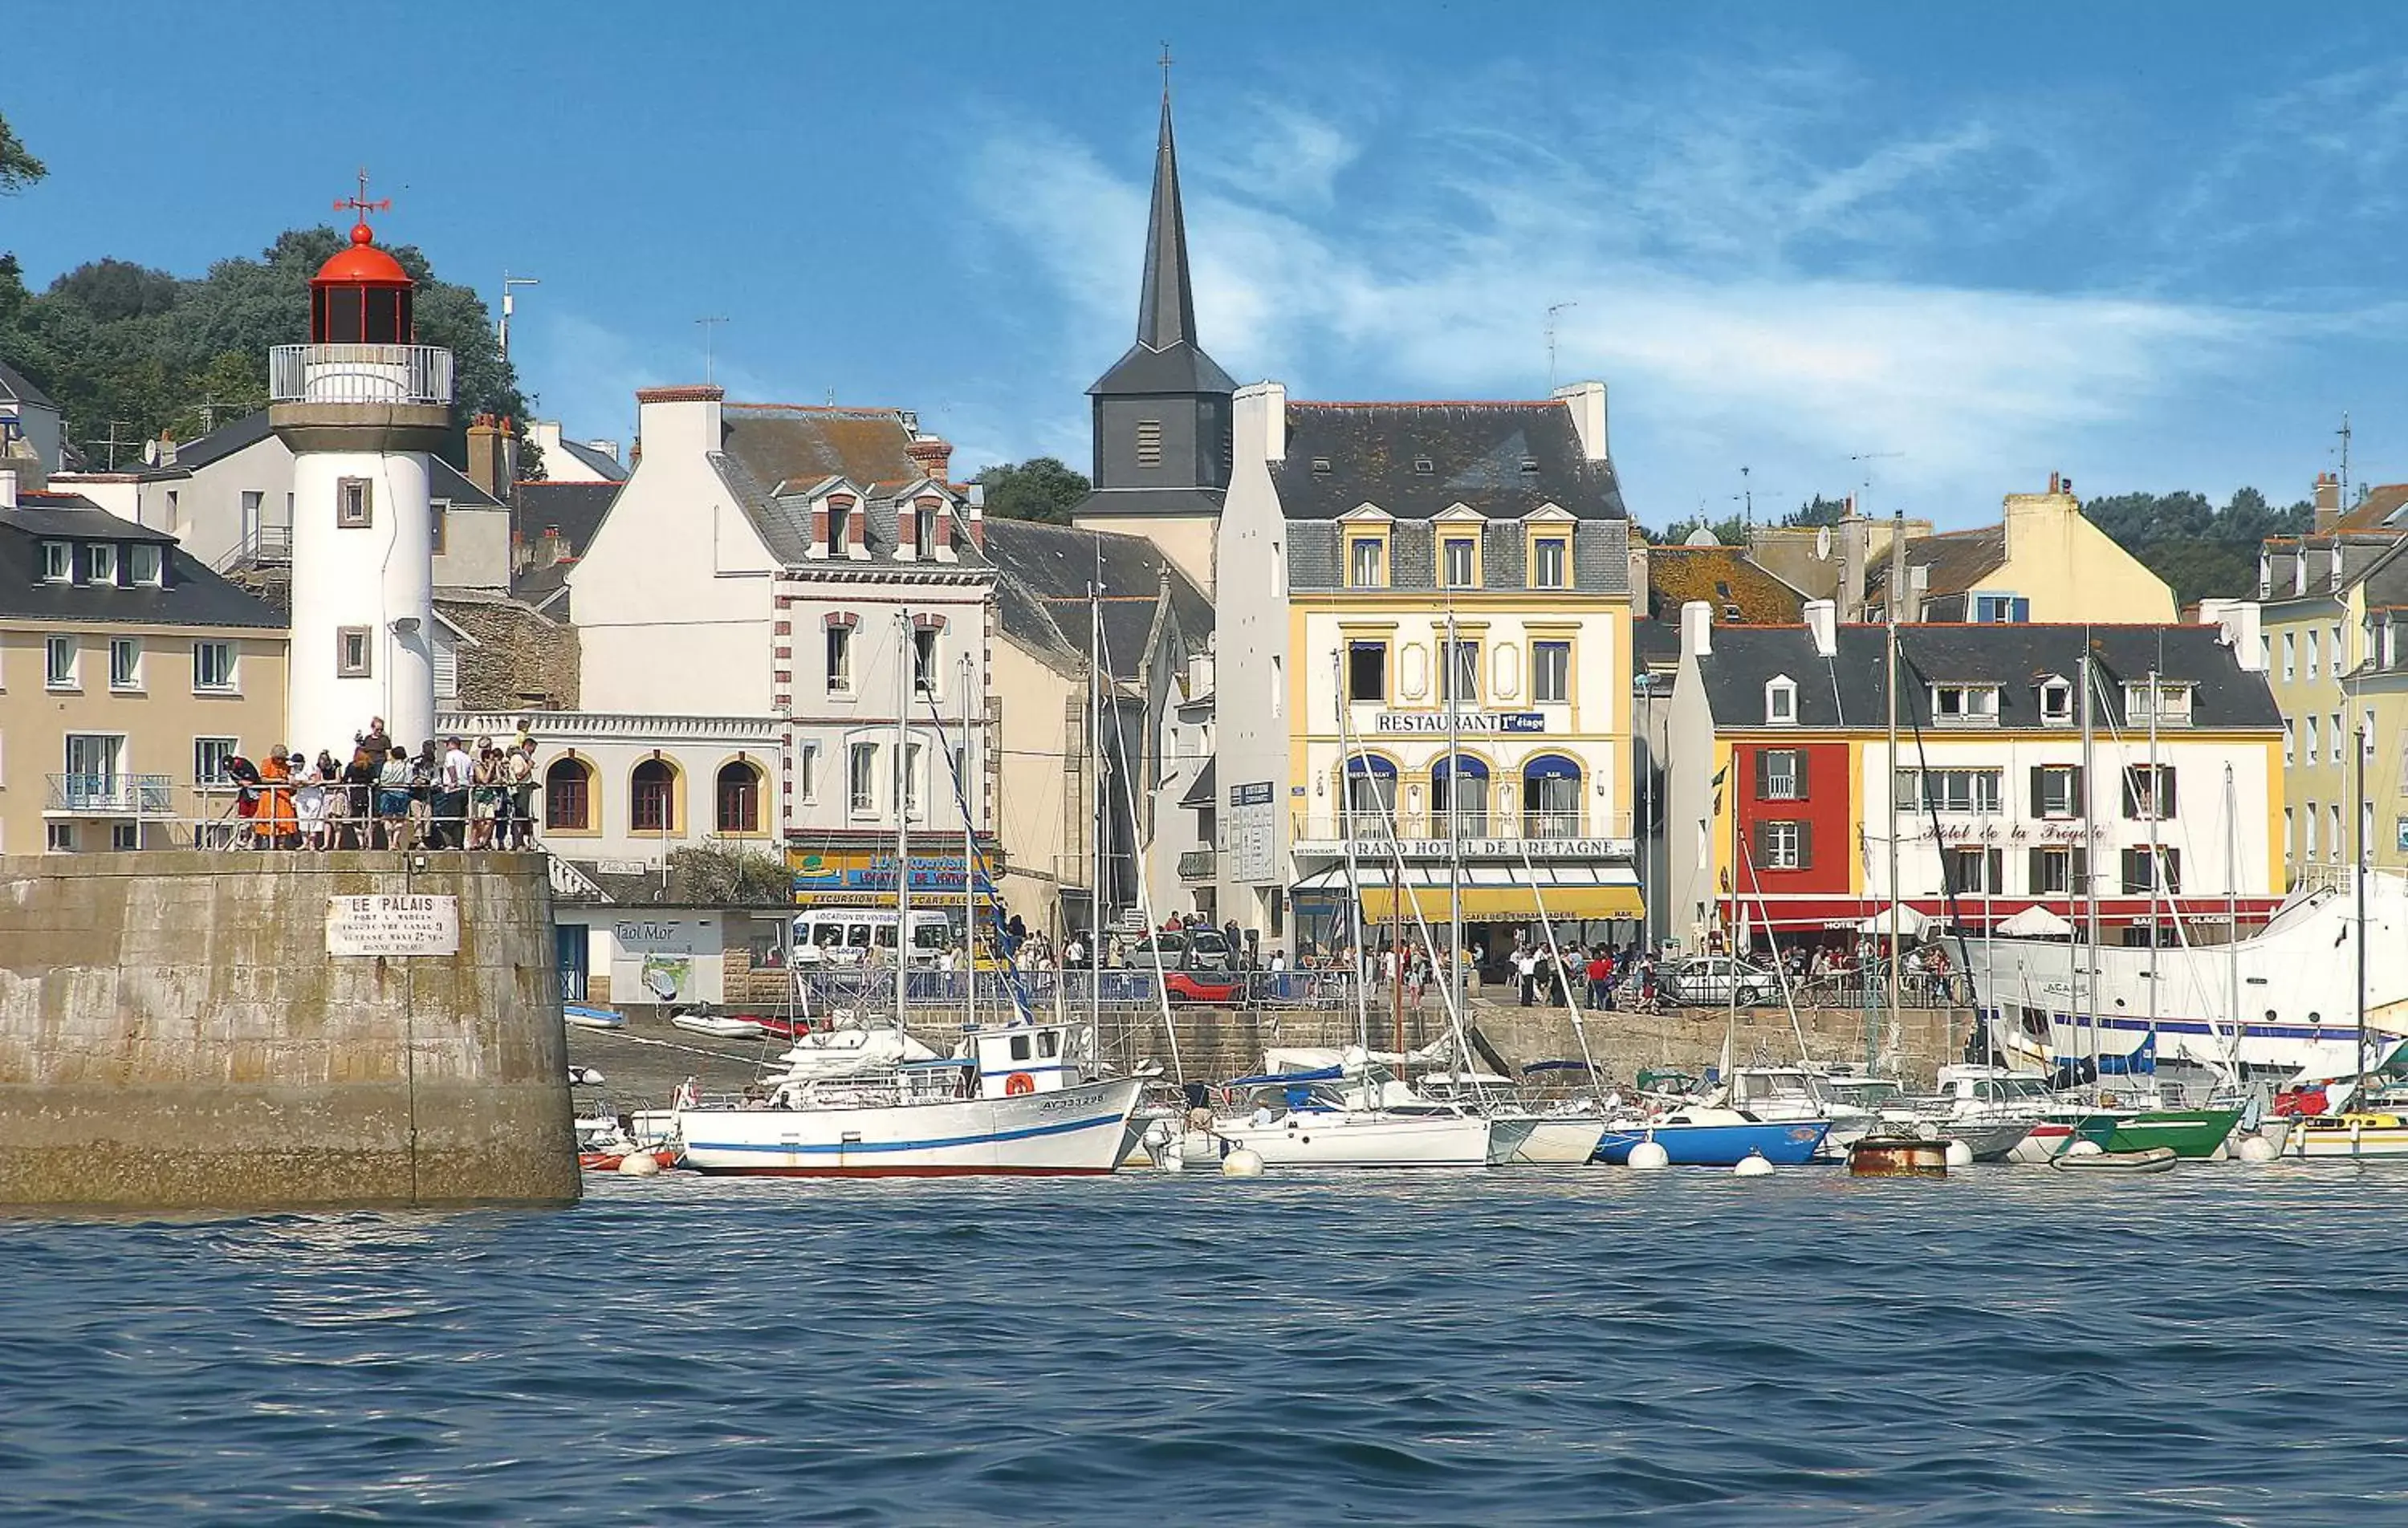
(1220, 988)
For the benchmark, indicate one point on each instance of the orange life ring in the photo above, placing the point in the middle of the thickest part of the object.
(1018, 1085)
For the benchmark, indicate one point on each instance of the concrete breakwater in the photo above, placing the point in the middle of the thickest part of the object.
(186, 1030)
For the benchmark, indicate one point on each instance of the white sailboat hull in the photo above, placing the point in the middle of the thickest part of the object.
(1540, 1142)
(1357, 1140)
(1078, 1129)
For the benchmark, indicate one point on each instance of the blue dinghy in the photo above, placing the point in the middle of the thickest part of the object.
(1706, 1137)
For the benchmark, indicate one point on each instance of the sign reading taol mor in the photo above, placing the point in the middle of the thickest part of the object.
(392, 925)
(1472, 722)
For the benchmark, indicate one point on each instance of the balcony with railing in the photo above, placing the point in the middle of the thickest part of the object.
(110, 795)
(265, 545)
(1197, 865)
(359, 374)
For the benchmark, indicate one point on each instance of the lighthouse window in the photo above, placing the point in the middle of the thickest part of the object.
(354, 504)
(352, 652)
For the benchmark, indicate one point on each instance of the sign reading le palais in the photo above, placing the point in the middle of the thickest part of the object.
(392, 925)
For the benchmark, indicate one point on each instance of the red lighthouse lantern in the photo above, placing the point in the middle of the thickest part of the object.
(362, 296)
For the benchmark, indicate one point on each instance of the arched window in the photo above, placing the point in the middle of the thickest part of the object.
(738, 798)
(1551, 802)
(651, 800)
(1371, 794)
(1461, 785)
(569, 796)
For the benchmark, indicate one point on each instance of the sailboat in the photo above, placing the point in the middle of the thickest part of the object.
(1021, 1099)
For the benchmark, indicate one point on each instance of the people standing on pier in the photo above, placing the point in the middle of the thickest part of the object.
(275, 819)
(310, 802)
(451, 797)
(1526, 966)
(518, 774)
(393, 800)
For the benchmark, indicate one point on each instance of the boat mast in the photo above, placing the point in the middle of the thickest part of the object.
(2232, 916)
(2088, 1010)
(1346, 836)
(969, 855)
(1455, 823)
(2156, 855)
(906, 661)
(2358, 879)
(1897, 595)
(1099, 821)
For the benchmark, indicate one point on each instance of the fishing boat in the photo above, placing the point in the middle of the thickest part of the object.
(1308, 1120)
(1015, 1103)
(1703, 1137)
(2153, 1159)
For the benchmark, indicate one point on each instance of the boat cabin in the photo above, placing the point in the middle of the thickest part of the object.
(1022, 1058)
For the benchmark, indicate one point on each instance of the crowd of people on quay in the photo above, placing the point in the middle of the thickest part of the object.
(451, 794)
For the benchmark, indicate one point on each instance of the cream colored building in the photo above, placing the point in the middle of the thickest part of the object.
(2043, 561)
(2328, 629)
(128, 674)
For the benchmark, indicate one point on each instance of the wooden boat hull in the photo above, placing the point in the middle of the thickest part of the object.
(1075, 1131)
(2327, 1137)
(2153, 1159)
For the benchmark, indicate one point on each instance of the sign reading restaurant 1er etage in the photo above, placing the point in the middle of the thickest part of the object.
(1463, 723)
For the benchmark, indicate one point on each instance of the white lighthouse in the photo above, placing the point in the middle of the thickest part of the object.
(361, 407)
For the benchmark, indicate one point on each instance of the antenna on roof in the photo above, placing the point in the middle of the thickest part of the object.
(707, 324)
(2343, 433)
(1872, 456)
(1553, 308)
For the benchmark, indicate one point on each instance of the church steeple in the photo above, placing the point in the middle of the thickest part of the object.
(1166, 310)
(1162, 412)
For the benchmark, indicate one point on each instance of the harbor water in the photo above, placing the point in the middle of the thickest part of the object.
(2008, 1346)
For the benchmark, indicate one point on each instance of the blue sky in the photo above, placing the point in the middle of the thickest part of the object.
(2153, 245)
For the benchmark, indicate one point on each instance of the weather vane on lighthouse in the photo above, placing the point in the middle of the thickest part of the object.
(358, 202)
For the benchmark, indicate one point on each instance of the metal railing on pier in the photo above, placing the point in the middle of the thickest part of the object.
(112, 795)
(1118, 990)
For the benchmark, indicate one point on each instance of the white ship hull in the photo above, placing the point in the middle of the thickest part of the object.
(1077, 1130)
(2297, 984)
(1533, 1140)
(1355, 1140)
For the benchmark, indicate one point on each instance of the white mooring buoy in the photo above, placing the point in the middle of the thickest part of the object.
(1959, 1154)
(640, 1164)
(2084, 1149)
(2254, 1148)
(1244, 1161)
(1649, 1155)
(1751, 1166)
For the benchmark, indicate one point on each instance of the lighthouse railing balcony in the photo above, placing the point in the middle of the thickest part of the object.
(386, 374)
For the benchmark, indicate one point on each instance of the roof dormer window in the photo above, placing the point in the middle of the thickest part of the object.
(147, 564)
(1424, 466)
(840, 520)
(2166, 702)
(1529, 464)
(2265, 575)
(1780, 702)
(104, 563)
(2055, 701)
(58, 561)
(1965, 705)
(1321, 466)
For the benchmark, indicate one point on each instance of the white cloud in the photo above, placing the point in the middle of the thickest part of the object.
(1700, 257)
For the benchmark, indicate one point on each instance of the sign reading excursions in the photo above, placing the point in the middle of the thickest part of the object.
(392, 925)
(1470, 723)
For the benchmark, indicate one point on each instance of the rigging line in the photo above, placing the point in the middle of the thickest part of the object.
(1021, 1001)
(1137, 867)
(1948, 881)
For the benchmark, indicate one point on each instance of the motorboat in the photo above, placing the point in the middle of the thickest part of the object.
(1701, 1135)
(1015, 1100)
(1989, 1135)
(1308, 1120)
(1975, 1097)
(1789, 1094)
(1523, 1132)
(2351, 1133)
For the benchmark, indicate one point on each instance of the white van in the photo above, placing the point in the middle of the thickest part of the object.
(841, 937)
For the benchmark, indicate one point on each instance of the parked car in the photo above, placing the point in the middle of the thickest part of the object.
(1705, 981)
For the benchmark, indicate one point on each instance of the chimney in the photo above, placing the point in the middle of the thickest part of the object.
(608, 448)
(485, 454)
(1696, 629)
(8, 488)
(1822, 624)
(2328, 502)
(932, 456)
(2056, 482)
(166, 448)
(683, 421)
(551, 548)
(977, 497)
(1586, 402)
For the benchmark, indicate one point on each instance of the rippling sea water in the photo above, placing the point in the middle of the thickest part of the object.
(2002, 1348)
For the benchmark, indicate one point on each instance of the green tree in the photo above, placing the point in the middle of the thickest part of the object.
(1818, 512)
(18, 168)
(1729, 533)
(1041, 488)
(716, 874)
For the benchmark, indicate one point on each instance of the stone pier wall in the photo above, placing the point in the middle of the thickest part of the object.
(1219, 1044)
(173, 1034)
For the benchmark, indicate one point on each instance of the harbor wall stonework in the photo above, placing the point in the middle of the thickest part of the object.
(1225, 1043)
(173, 1034)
